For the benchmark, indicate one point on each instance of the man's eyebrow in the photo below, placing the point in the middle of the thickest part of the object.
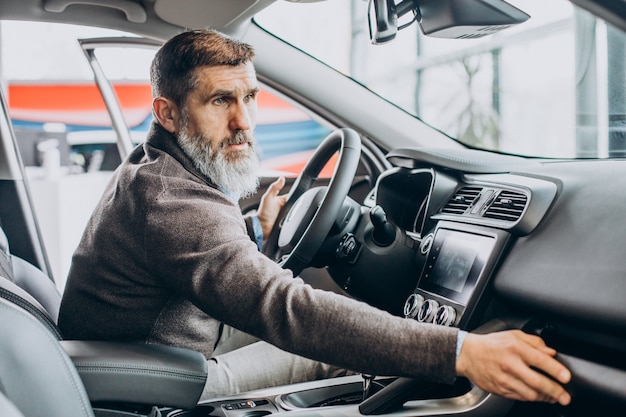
(222, 93)
(231, 93)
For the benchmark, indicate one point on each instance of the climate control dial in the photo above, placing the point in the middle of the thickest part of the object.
(445, 316)
(412, 305)
(428, 311)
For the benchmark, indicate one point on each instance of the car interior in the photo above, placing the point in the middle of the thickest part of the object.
(410, 221)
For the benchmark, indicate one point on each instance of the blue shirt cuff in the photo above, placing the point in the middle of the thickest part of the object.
(459, 342)
(258, 231)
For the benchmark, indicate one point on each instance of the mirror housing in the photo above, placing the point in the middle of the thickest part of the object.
(467, 19)
(383, 21)
(453, 19)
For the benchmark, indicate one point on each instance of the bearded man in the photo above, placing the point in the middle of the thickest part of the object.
(168, 258)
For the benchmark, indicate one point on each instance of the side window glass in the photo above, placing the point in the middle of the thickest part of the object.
(62, 128)
(126, 68)
(287, 137)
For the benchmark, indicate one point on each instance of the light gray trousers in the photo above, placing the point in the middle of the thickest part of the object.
(243, 363)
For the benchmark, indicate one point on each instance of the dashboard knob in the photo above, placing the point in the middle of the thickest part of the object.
(412, 305)
(427, 312)
(445, 316)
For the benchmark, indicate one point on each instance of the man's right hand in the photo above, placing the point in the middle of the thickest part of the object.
(270, 205)
(502, 363)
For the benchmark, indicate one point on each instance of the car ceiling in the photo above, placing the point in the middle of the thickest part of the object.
(161, 19)
(221, 14)
(158, 19)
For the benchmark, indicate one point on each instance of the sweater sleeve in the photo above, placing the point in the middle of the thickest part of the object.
(211, 260)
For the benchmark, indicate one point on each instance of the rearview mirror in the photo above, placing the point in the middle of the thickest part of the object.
(455, 19)
(466, 19)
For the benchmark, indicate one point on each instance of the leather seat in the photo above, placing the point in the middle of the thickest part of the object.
(35, 282)
(114, 375)
(30, 278)
(36, 374)
(7, 408)
(16, 295)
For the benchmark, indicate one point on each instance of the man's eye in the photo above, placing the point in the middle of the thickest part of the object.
(250, 97)
(219, 100)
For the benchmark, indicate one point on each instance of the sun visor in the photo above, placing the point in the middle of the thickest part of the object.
(217, 14)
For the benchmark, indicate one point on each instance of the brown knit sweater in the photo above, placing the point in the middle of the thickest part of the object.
(166, 257)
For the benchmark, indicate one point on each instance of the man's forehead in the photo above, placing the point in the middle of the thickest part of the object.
(227, 77)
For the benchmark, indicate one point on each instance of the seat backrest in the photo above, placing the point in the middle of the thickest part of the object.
(36, 375)
(30, 278)
(10, 292)
(35, 282)
(7, 408)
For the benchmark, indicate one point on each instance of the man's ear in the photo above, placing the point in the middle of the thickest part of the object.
(167, 114)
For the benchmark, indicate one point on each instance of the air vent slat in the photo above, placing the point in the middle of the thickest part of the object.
(507, 206)
(462, 200)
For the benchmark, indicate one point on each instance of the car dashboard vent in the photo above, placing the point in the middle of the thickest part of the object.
(492, 204)
(462, 200)
(507, 206)
(508, 202)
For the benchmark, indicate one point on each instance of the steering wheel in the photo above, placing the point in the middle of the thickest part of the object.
(309, 213)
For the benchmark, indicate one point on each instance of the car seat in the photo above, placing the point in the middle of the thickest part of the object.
(36, 374)
(37, 283)
(16, 295)
(30, 278)
(115, 375)
(7, 408)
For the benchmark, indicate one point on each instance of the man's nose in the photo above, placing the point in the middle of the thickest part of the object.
(242, 117)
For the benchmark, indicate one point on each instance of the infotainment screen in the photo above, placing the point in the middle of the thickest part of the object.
(454, 264)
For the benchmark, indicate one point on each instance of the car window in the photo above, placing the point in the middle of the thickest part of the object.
(52, 93)
(553, 86)
(64, 131)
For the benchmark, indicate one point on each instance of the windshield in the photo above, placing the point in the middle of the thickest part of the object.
(553, 86)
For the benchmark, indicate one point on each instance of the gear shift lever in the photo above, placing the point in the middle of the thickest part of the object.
(384, 233)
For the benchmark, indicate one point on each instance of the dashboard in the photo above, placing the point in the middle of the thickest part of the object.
(471, 238)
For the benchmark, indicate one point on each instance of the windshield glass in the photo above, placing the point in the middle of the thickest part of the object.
(553, 86)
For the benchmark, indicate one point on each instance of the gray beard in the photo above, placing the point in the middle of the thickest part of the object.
(237, 177)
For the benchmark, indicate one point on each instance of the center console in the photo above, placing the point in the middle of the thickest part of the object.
(459, 261)
(293, 399)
